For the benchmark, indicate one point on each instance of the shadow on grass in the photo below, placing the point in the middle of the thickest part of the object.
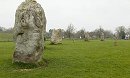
(20, 65)
(55, 44)
(53, 47)
(49, 48)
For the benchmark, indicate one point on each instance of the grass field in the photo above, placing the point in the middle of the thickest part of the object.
(94, 59)
(6, 37)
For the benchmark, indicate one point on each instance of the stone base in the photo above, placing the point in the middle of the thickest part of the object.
(26, 58)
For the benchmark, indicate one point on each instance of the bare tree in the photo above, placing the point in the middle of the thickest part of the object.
(82, 33)
(121, 31)
(128, 31)
(2, 29)
(108, 34)
(97, 32)
(9, 30)
(70, 31)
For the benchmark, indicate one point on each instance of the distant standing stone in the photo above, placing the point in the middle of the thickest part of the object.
(56, 37)
(102, 36)
(87, 37)
(115, 39)
(116, 36)
(29, 30)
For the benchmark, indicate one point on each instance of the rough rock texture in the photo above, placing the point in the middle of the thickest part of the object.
(56, 37)
(102, 36)
(87, 37)
(29, 29)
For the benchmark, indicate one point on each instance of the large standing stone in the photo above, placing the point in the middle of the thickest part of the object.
(29, 29)
(56, 37)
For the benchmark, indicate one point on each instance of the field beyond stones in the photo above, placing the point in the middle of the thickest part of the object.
(79, 59)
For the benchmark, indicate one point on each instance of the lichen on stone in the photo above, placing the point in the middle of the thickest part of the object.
(29, 30)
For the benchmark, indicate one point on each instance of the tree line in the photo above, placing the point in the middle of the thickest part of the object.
(6, 30)
(71, 32)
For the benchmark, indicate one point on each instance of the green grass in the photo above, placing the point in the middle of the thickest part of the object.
(94, 59)
(6, 37)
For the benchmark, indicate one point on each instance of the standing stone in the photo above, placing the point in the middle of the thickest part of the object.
(116, 36)
(29, 29)
(102, 36)
(80, 37)
(127, 37)
(56, 37)
(87, 37)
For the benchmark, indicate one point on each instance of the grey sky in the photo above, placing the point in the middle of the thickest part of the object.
(88, 14)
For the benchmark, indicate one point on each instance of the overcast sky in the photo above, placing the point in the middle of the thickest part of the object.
(88, 14)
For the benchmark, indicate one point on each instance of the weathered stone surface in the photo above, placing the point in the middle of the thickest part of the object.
(87, 37)
(56, 37)
(102, 36)
(29, 29)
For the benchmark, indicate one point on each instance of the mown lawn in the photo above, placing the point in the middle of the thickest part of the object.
(94, 59)
(6, 37)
